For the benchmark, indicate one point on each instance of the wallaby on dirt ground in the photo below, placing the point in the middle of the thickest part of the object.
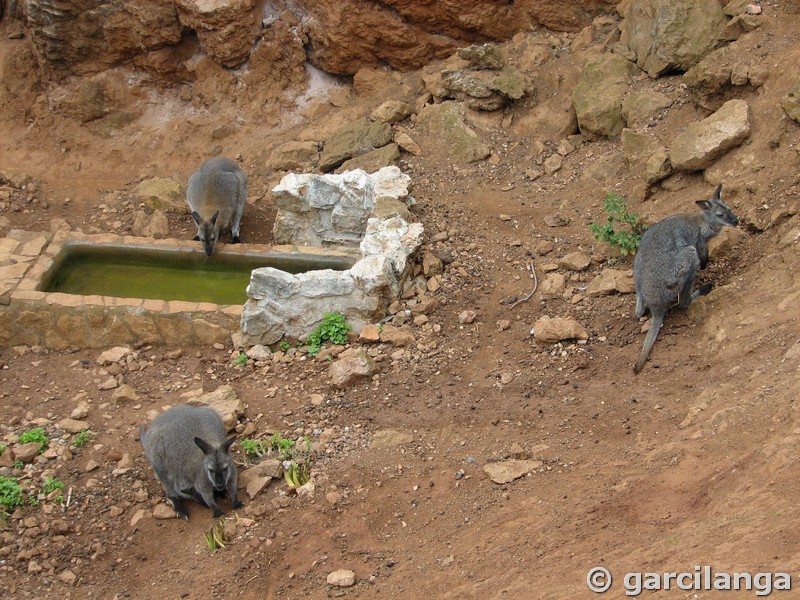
(667, 260)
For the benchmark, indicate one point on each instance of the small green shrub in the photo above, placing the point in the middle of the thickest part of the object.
(241, 360)
(283, 445)
(82, 438)
(259, 448)
(51, 485)
(628, 235)
(333, 328)
(253, 447)
(10, 495)
(35, 435)
(284, 345)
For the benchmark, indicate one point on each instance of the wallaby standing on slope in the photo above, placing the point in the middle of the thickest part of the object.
(216, 195)
(187, 448)
(667, 260)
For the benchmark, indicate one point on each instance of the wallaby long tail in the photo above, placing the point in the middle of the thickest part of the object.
(655, 326)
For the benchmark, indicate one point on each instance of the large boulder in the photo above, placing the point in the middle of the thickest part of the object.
(791, 103)
(445, 134)
(482, 80)
(710, 80)
(598, 96)
(669, 35)
(703, 142)
(354, 139)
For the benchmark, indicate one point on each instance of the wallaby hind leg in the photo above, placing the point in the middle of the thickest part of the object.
(641, 308)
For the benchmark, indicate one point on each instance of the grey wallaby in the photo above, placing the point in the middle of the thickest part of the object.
(216, 196)
(667, 260)
(188, 450)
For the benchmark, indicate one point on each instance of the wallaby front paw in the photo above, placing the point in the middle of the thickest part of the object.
(238, 504)
(196, 238)
(217, 513)
(706, 288)
(236, 240)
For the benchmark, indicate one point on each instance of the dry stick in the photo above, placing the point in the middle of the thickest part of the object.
(533, 291)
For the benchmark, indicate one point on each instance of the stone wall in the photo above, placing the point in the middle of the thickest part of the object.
(32, 317)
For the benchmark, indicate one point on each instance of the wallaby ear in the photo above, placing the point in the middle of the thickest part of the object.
(703, 204)
(197, 218)
(213, 219)
(226, 446)
(203, 445)
(717, 192)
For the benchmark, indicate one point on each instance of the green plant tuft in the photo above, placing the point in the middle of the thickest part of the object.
(333, 328)
(51, 484)
(82, 437)
(284, 345)
(35, 435)
(241, 360)
(10, 495)
(628, 236)
(253, 447)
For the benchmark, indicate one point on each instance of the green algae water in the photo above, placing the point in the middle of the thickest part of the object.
(171, 275)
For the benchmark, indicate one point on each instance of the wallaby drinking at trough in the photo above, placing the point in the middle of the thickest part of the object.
(187, 447)
(216, 196)
(667, 260)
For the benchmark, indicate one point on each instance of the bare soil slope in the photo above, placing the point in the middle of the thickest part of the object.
(689, 463)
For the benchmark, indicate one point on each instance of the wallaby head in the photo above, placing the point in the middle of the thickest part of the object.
(716, 213)
(207, 231)
(217, 463)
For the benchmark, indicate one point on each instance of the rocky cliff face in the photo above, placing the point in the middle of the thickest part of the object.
(341, 36)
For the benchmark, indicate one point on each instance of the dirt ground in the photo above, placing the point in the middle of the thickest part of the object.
(689, 463)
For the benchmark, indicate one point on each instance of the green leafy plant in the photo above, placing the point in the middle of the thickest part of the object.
(3, 448)
(333, 328)
(253, 447)
(18, 464)
(51, 485)
(35, 435)
(82, 438)
(283, 445)
(622, 229)
(284, 345)
(241, 360)
(10, 495)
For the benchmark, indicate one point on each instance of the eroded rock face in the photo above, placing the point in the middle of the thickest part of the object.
(342, 36)
(228, 29)
(81, 36)
(407, 34)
